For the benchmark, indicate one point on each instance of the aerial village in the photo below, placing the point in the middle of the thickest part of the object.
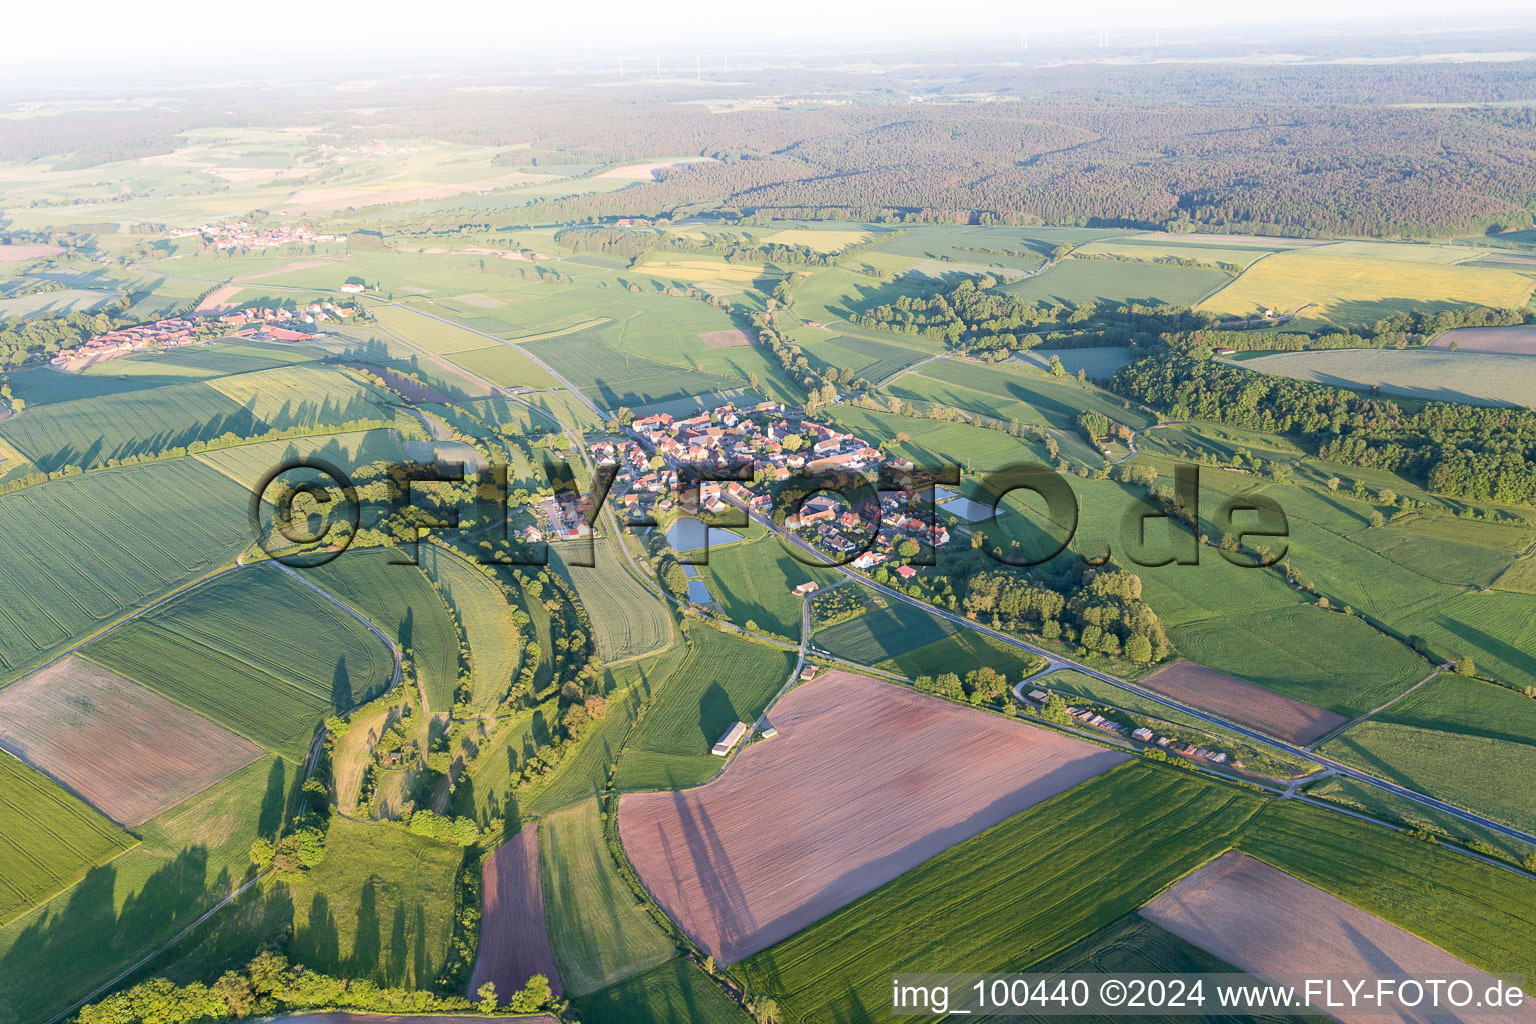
(243, 235)
(776, 443)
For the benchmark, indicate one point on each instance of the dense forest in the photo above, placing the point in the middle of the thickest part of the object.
(1307, 150)
(1466, 451)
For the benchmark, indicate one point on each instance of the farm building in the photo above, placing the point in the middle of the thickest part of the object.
(805, 588)
(769, 732)
(732, 737)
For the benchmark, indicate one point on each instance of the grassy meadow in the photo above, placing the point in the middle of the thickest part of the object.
(380, 905)
(722, 680)
(677, 990)
(600, 933)
(753, 582)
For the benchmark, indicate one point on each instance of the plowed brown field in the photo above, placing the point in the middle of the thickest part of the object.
(124, 749)
(1242, 701)
(864, 781)
(1267, 922)
(514, 945)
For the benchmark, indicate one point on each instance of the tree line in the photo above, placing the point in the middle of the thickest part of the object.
(1474, 452)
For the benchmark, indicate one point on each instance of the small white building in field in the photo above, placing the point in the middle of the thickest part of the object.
(732, 737)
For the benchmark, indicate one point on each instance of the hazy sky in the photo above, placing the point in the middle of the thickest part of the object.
(95, 29)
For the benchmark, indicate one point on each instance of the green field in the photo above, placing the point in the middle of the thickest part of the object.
(675, 991)
(399, 600)
(486, 618)
(1020, 892)
(247, 464)
(1079, 282)
(90, 432)
(1433, 375)
(77, 553)
(379, 906)
(1095, 362)
(722, 680)
(189, 859)
(1483, 914)
(1419, 581)
(628, 621)
(199, 363)
(48, 839)
(885, 633)
(256, 651)
(1325, 658)
(44, 385)
(593, 361)
(506, 365)
(1378, 803)
(1012, 391)
(962, 652)
(600, 933)
(753, 582)
(1466, 742)
(1458, 552)
(872, 360)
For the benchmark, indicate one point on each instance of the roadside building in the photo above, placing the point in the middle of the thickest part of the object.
(732, 737)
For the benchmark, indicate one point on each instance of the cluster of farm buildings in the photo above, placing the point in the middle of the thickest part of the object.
(1093, 719)
(662, 447)
(262, 323)
(168, 333)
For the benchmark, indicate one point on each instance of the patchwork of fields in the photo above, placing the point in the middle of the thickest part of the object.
(864, 781)
(92, 432)
(78, 553)
(987, 844)
(1021, 891)
(257, 652)
(1465, 741)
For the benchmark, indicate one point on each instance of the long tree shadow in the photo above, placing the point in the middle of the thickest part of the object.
(82, 940)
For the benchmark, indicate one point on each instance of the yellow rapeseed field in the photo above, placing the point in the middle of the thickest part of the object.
(1351, 288)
